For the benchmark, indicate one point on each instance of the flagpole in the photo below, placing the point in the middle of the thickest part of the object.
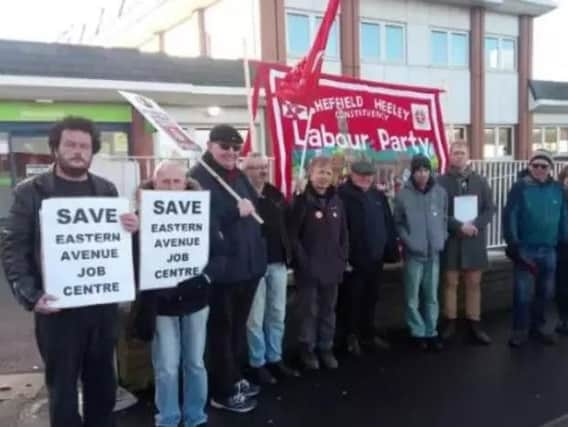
(252, 129)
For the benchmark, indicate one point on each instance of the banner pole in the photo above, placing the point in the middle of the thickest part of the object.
(246, 65)
(305, 149)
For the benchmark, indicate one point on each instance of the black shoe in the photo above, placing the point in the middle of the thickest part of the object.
(309, 360)
(477, 334)
(328, 359)
(546, 338)
(353, 346)
(261, 375)
(448, 329)
(281, 370)
(247, 389)
(435, 344)
(419, 343)
(376, 343)
(237, 403)
(562, 328)
(518, 339)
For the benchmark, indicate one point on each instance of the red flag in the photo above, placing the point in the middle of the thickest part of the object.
(299, 84)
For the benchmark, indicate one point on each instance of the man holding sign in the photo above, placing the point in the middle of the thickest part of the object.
(233, 293)
(470, 210)
(76, 343)
(175, 319)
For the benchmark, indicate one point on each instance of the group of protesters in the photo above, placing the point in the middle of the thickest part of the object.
(335, 235)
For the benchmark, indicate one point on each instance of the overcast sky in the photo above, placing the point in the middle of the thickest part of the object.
(43, 20)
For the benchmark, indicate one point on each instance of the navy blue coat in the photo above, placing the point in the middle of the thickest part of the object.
(246, 257)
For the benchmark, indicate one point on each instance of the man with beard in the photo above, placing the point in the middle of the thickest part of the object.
(74, 343)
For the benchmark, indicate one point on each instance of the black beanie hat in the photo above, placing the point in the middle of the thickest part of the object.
(420, 161)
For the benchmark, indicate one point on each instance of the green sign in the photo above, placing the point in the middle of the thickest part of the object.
(37, 112)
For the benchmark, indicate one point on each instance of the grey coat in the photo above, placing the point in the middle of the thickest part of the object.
(461, 252)
(421, 219)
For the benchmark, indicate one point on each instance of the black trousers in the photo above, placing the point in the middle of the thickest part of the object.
(78, 344)
(229, 310)
(358, 297)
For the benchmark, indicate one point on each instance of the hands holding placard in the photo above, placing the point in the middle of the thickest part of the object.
(129, 222)
(469, 230)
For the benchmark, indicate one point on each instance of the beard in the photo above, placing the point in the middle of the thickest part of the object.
(73, 171)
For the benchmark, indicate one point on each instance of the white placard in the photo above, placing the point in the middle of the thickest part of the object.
(86, 254)
(174, 237)
(162, 121)
(465, 208)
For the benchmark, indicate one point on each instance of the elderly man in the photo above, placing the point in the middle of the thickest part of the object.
(372, 237)
(175, 321)
(465, 254)
(533, 226)
(75, 343)
(265, 328)
(232, 292)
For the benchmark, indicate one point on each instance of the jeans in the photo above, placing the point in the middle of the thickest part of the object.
(525, 285)
(230, 306)
(421, 277)
(78, 343)
(180, 342)
(265, 326)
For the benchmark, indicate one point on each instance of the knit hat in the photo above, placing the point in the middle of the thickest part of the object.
(542, 155)
(420, 161)
(225, 133)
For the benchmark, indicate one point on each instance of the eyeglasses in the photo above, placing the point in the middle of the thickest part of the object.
(226, 146)
(542, 166)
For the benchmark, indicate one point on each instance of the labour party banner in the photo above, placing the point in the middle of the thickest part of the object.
(174, 237)
(349, 118)
(86, 254)
(161, 120)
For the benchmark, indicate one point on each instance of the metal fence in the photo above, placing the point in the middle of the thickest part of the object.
(501, 176)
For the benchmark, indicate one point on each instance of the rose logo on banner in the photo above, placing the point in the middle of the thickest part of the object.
(86, 254)
(420, 117)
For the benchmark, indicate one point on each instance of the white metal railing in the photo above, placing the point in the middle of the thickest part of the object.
(501, 175)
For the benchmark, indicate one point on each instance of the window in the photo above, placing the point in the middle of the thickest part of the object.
(370, 41)
(151, 46)
(332, 48)
(183, 39)
(498, 142)
(395, 43)
(449, 49)
(563, 141)
(500, 53)
(301, 30)
(298, 34)
(381, 42)
(550, 138)
(455, 133)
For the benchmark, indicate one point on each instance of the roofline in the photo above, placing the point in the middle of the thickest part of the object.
(551, 103)
(129, 85)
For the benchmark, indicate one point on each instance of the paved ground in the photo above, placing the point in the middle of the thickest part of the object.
(18, 352)
(463, 386)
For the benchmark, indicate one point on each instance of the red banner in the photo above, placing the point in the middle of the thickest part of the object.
(386, 123)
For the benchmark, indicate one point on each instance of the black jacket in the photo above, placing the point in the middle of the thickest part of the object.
(21, 241)
(372, 232)
(189, 296)
(272, 208)
(320, 242)
(246, 249)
